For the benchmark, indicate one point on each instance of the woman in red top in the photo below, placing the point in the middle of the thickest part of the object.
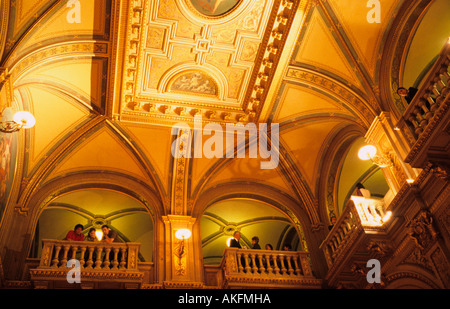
(75, 234)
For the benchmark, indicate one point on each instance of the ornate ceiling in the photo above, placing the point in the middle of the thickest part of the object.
(106, 80)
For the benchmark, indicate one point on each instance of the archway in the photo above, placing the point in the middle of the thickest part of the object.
(251, 218)
(92, 208)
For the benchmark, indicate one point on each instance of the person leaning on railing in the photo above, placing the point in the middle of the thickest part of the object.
(91, 235)
(109, 235)
(408, 94)
(75, 234)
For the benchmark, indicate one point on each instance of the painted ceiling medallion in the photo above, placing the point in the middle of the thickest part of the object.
(214, 8)
(195, 83)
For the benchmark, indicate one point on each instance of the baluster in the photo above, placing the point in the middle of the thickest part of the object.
(275, 264)
(56, 256)
(261, 264)
(123, 254)
(433, 105)
(298, 270)
(283, 268)
(290, 269)
(98, 262)
(107, 262)
(90, 261)
(247, 265)
(115, 261)
(422, 121)
(239, 258)
(82, 261)
(269, 267)
(254, 267)
(64, 258)
(74, 253)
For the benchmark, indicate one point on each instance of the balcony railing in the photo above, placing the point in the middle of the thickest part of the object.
(98, 261)
(429, 105)
(359, 215)
(267, 268)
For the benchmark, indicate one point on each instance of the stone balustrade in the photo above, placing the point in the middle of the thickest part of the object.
(91, 255)
(430, 101)
(270, 268)
(99, 262)
(359, 215)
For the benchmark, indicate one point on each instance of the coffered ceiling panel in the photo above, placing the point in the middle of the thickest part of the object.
(181, 62)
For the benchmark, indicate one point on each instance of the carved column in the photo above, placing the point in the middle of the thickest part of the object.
(183, 267)
(391, 143)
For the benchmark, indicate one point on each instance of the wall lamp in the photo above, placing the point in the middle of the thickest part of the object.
(369, 152)
(21, 120)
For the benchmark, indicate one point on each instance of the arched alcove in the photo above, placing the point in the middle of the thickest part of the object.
(92, 208)
(251, 218)
(354, 170)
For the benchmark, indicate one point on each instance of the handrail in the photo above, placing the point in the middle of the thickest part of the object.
(91, 255)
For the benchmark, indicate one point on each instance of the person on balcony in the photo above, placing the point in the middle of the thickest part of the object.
(408, 94)
(287, 247)
(362, 191)
(269, 247)
(234, 243)
(109, 235)
(91, 235)
(76, 234)
(255, 243)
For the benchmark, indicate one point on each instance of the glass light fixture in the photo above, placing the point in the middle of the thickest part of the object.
(20, 120)
(25, 119)
(369, 152)
(99, 235)
(183, 234)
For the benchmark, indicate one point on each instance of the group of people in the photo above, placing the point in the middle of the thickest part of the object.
(234, 243)
(109, 235)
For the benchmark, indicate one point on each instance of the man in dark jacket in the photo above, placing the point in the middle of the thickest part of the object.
(408, 94)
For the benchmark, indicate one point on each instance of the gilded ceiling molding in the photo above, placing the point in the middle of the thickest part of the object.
(343, 93)
(4, 17)
(179, 199)
(270, 55)
(395, 52)
(15, 39)
(141, 103)
(67, 50)
(213, 15)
